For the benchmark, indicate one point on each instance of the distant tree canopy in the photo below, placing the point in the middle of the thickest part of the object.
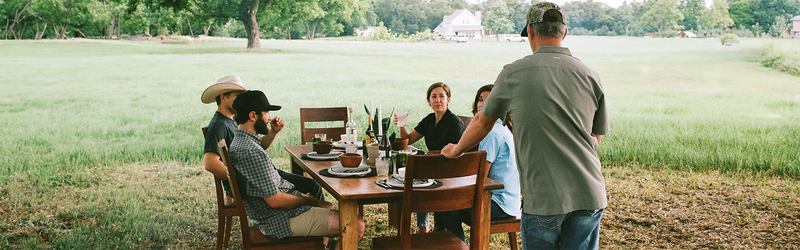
(308, 19)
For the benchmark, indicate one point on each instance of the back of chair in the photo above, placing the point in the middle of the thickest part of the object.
(322, 115)
(237, 196)
(441, 199)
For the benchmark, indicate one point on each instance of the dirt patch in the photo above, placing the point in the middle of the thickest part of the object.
(670, 209)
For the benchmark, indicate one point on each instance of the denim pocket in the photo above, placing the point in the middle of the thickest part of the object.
(592, 213)
(549, 222)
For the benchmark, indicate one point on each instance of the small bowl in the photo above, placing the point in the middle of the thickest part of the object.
(323, 147)
(400, 144)
(350, 160)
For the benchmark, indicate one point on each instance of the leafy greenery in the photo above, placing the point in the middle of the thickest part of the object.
(787, 61)
(732, 37)
(102, 147)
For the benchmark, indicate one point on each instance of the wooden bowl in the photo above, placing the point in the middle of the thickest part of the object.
(323, 147)
(400, 144)
(350, 160)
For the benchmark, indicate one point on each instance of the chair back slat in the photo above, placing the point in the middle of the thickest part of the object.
(237, 196)
(322, 115)
(436, 166)
(442, 199)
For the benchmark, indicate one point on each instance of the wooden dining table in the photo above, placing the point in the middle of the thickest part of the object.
(353, 192)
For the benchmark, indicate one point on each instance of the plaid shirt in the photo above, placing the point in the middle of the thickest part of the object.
(257, 178)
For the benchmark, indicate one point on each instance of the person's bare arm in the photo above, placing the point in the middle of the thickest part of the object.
(288, 201)
(598, 140)
(480, 126)
(276, 125)
(213, 164)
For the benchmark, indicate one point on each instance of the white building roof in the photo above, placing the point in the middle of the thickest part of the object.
(795, 18)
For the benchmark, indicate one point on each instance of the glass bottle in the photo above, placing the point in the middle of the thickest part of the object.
(351, 127)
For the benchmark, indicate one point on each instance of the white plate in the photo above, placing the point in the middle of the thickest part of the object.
(333, 172)
(410, 150)
(340, 145)
(396, 183)
(331, 156)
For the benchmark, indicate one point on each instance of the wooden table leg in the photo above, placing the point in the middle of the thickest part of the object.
(296, 169)
(480, 237)
(348, 224)
(394, 214)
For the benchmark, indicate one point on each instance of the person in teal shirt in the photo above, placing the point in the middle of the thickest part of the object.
(499, 147)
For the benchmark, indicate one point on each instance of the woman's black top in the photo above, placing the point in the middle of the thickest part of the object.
(449, 130)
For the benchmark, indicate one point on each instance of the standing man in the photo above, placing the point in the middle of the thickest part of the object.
(559, 112)
(222, 126)
(274, 203)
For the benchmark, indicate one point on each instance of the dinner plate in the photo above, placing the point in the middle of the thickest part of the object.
(330, 156)
(410, 150)
(338, 170)
(394, 182)
(340, 145)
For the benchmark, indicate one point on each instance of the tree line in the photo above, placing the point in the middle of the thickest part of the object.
(307, 19)
(665, 17)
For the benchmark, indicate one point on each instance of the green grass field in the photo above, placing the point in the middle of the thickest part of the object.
(108, 133)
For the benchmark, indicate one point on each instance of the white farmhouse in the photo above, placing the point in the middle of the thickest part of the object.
(461, 22)
(795, 27)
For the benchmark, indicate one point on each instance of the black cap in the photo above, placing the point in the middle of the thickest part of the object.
(252, 100)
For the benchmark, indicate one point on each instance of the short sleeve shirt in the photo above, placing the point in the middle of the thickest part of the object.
(499, 147)
(258, 178)
(220, 127)
(449, 130)
(558, 106)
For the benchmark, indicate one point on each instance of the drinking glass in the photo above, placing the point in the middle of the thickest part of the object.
(322, 137)
(382, 166)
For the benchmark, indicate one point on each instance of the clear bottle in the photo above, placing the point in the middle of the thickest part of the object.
(351, 127)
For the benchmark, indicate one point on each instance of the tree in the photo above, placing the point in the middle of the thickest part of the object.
(589, 15)
(741, 13)
(663, 16)
(20, 12)
(245, 11)
(497, 19)
(692, 11)
(781, 26)
(765, 11)
(717, 16)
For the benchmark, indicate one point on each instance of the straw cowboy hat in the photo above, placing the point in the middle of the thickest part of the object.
(223, 85)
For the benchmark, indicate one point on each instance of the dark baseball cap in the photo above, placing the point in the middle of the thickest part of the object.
(542, 13)
(253, 100)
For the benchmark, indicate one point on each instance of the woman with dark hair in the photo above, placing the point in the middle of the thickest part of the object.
(499, 147)
(439, 129)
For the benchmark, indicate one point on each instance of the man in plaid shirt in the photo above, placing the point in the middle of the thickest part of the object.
(271, 201)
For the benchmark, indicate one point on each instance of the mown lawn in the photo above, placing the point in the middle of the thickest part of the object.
(102, 147)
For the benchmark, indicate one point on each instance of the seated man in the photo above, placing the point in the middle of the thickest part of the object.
(222, 126)
(271, 201)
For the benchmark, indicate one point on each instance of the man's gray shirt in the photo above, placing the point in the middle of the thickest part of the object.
(557, 105)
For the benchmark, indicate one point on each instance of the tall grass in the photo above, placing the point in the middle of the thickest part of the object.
(102, 144)
(71, 105)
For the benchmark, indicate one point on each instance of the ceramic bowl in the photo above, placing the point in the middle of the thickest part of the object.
(350, 160)
(323, 147)
(400, 144)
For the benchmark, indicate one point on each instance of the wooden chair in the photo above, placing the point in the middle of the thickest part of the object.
(439, 200)
(322, 115)
(252, 238)
(510, 225)
(225, 213)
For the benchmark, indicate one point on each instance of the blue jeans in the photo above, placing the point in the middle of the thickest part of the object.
(422, 219)
(451, 220)
(574, 230)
